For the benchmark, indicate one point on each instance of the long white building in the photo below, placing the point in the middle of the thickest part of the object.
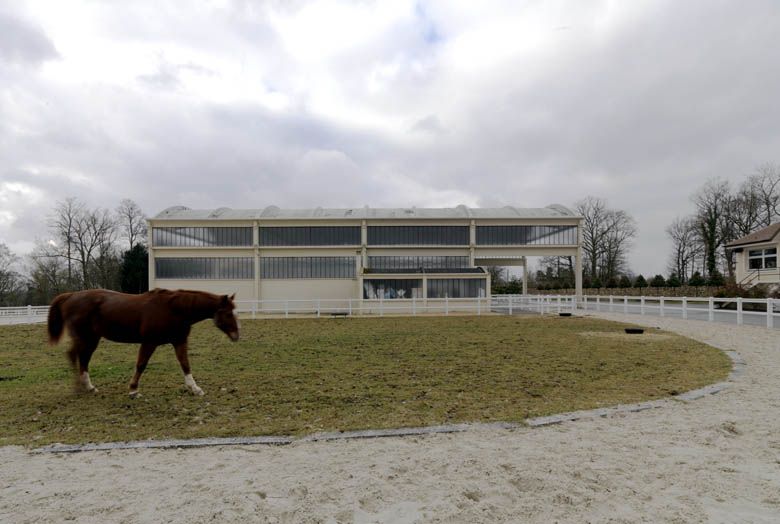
(359, 253)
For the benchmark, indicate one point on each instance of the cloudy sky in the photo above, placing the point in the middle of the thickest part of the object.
(396, 103)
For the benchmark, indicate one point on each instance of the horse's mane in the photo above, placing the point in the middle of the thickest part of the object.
(187, 299)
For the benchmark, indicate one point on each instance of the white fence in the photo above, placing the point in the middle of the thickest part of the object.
(752, 311)
(23, 315)
(765, 312)
(355, 307)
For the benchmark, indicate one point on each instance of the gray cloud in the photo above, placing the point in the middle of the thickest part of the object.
(640, 114)
(22, 42)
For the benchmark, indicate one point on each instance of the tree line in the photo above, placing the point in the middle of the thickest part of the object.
(85, 248)
(607, 237)
(722, 213)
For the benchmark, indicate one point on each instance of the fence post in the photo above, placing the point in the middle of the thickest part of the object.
(739, 311)
(254, 309)
(661, 306)
(769, 314)
(559, 303)
(598, 302)
(585, 302)
(414, 307)
(685, 308)
(318, 308)
(510, 304)
(286, 309)
(446, 305)
(642, 305)
(711, 310)
(382, 305)
(611, 301)
(350, 307)
(542, 299)
(479, 306)
(29, 314)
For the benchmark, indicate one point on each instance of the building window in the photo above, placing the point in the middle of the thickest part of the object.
(307, 267)
(395, 263)
(392, 288)
(456, 287)
(526, 235)
(762, 258)
(418, 235)
(202, 236)
(310, 236)
(205, 268)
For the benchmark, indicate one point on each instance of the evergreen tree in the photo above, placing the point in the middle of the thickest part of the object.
(673, 281)
(658, 281)
(134, 272)
(696, 280)
(624, 282)
(716, 279)
(640, 282)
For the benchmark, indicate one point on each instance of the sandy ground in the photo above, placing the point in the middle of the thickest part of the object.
(716, 459)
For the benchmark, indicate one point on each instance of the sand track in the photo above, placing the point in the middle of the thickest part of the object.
(716, 459)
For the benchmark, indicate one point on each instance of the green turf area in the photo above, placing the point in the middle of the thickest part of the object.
(301, 376)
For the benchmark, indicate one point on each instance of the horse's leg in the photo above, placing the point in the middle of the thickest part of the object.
(144, 354)
(85, 349)
(181, 354)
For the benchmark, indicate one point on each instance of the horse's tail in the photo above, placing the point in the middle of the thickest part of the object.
(56, 322)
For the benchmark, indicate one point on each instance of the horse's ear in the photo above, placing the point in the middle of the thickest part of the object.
(233, 296)
(225, 300)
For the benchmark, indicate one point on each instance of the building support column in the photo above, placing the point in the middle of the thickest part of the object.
(256, 245)
(525, 275)
(150, 245)
(578, 265)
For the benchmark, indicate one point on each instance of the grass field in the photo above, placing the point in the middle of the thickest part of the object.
(300, 376)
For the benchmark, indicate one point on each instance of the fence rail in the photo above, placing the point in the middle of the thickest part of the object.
(23, 315)
(738, 311)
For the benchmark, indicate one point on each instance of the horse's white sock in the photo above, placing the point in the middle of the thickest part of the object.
(86, 382)
(191, 385)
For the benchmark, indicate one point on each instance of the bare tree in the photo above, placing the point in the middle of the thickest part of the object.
(10, 280)
(743, 211)
(63, 224)
(94, 235)
(686, 246)
(594, 212)
(85, 239)
(621, 230)
(132, 222)
(607, 235)
(765, 184)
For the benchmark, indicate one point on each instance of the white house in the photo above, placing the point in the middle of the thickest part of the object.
(756, 256)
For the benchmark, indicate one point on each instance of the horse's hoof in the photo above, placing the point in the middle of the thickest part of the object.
(198, 392)
(135, 393)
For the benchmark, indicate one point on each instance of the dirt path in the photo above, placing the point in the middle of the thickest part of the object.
(716, 459)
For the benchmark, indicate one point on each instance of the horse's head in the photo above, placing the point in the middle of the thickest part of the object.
(226, 319)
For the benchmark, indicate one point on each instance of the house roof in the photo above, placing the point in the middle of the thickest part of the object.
(762, 235)
(319, 213)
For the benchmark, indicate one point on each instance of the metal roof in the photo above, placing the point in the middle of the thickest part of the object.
(762, 235)
(319, 213)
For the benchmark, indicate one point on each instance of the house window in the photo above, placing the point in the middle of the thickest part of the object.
(762, 258)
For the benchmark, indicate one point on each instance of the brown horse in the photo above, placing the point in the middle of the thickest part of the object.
(152, 319)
